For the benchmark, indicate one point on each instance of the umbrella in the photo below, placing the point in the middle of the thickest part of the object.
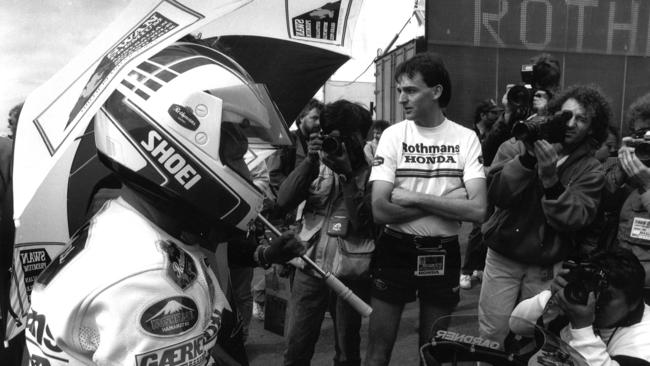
(291, 46)
(293, 51)
(55, 116)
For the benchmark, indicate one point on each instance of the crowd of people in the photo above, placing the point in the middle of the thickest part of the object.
(378, 204)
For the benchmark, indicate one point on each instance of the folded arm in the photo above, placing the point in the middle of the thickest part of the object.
(386, 212)
(472, 207)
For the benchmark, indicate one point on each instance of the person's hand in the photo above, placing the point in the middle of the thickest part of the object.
(637, 172)
(340, 164)
(402, 197)
(547, 158)
(284, 248)
(314, 146)
(559, 281)
(579, 315)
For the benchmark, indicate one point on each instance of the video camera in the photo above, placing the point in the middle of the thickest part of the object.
(641, 144)
(583, 278)
(527, 75)
(550, 128)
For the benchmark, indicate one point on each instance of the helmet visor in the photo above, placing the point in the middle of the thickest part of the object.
(250, 106)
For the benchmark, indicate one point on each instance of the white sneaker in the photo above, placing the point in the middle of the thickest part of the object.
(465, 281)
(477, 275)
(258, 311)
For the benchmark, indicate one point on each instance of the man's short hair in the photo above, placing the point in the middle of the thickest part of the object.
(638, 110)
(596, 106)
(433, 72)
(346, 117)
(623, 271)
(312, 104)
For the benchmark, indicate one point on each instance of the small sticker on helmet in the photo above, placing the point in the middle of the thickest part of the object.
(184, 116)
(378, 160)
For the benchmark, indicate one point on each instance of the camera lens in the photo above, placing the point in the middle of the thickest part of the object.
(331, 145)
(576, 293)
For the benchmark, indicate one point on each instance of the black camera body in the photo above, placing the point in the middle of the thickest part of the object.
(332, 145)
(583, 278)
(641, 147)
(551, 128)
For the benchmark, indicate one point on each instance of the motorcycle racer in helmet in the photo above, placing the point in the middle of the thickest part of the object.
(132, 287)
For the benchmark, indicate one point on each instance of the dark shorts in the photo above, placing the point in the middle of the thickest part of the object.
(399, 258)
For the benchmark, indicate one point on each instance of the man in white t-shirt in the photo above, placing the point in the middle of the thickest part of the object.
(427, 177)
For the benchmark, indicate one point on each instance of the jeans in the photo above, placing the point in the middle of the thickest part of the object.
(505, 283)
(310, 298)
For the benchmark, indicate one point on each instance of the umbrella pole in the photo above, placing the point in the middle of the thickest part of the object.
(334, 283)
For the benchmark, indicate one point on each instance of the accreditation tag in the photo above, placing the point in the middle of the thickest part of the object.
(431, 264)
(640, 229)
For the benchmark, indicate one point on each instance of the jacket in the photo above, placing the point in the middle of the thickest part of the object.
(322, 190)
(634, 228)
(284, 161)
(533, 225)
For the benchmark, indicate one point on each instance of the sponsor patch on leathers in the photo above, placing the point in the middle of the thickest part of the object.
(169, 317)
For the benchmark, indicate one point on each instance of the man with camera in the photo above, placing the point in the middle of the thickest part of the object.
(633, 175)
(331, 179)
(597, 308)
(546, 187)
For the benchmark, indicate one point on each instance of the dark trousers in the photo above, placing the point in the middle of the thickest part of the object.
(475, 252)
(13, 355)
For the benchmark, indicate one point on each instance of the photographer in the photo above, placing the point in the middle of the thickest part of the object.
(517, 103)
(541, 79)
(633, 174)
(598, 309)
(332, 180)
(544, 191)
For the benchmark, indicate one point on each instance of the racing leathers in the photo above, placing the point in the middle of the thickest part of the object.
(125, 292)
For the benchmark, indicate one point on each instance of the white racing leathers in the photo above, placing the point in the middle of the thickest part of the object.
(124, 293)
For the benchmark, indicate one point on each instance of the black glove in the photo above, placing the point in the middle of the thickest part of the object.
(282, 249)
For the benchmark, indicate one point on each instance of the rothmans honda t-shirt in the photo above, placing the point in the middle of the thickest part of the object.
(432, 160)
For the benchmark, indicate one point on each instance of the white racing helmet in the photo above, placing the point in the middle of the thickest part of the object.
(179, 125)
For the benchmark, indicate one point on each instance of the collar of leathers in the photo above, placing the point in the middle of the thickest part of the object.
(159, 211)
